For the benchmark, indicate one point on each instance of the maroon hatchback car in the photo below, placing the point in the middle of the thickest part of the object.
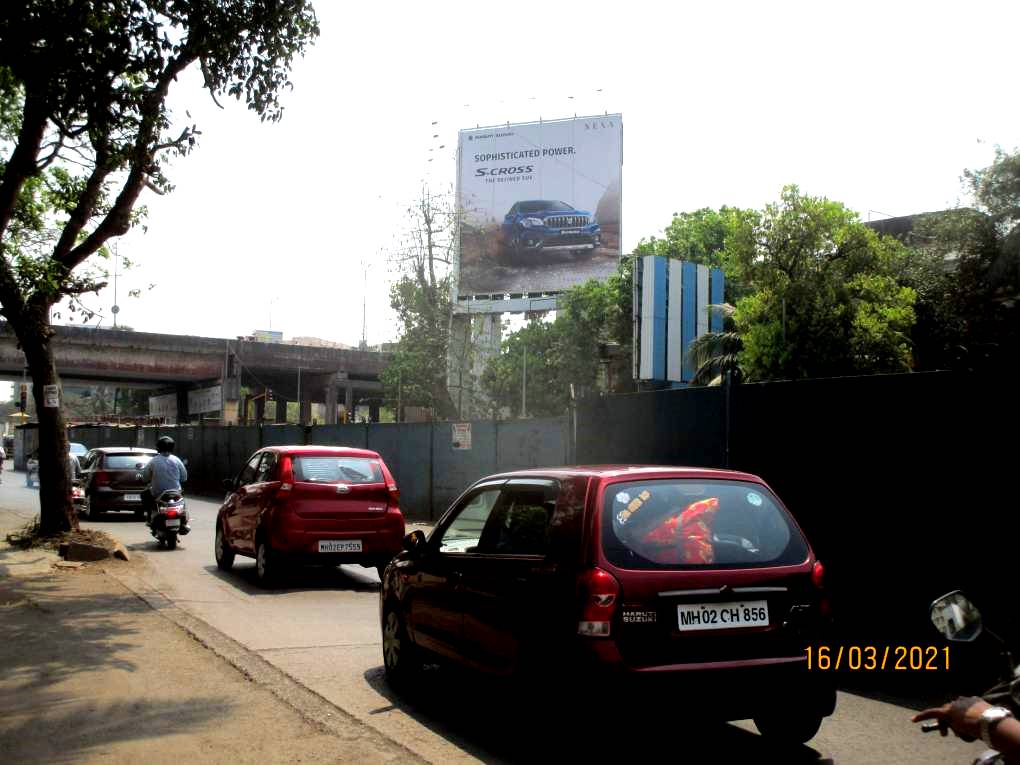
(310, 504)
(694, 582)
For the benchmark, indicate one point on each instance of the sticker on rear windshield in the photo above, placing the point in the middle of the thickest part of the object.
(626, 513)
(623, 498)
(754, 499)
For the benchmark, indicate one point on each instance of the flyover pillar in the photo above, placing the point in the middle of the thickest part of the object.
(304, 411)
(182, 405)
(349, 403)
(373, 411)
(281, 410)
(260, 409)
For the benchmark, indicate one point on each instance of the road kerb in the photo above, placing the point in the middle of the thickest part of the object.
(313, 707)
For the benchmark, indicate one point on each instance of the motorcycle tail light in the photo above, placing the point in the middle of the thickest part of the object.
(171, 513)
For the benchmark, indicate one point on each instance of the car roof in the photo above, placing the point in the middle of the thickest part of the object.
(129, 449)
(628, 471)
(311, 450)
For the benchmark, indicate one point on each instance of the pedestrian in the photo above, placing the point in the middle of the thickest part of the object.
(3, 458)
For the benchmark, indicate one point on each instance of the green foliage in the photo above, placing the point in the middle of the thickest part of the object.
(565, 351)
(969, 309)
(823, 298)
(85, 128)
(700, 237)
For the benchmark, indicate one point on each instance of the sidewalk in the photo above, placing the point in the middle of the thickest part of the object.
(90, 672)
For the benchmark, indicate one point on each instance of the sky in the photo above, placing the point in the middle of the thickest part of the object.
(288, 226)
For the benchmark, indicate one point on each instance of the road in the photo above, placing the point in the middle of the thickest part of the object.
(321, 627)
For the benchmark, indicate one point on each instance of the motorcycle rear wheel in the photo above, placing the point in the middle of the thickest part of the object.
(171, 541)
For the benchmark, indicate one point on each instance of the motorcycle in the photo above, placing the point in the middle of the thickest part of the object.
(960, 621)
(77, 496)
(170, 518)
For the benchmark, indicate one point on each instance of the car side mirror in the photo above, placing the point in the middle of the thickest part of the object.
(228, 484)
(414, 542)
(956, 617)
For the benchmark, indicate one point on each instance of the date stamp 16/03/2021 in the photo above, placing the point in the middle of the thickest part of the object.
(872, 658)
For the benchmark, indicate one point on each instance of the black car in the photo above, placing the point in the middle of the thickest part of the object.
(112, 479)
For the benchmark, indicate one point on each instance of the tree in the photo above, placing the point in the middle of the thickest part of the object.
(969, 310)
(85, 128)
(824, 300)
(566, 351)
(716, 354)
(416, 374)
(699, 237)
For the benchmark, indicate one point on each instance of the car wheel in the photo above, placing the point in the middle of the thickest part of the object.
(789, 727)
(401, 658)
(224, 555)
(265, 563)
(85, 511)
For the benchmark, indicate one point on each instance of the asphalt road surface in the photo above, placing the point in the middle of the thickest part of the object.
(322, 628)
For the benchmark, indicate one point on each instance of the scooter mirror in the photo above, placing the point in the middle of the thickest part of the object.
(956, 617)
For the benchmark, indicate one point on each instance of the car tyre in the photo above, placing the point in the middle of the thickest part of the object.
(85, 511)
(265, 563)
(402, 660)
(224, 555)
(788, 728)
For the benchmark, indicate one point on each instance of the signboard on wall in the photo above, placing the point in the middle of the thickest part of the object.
(462, 435)
(540, 205)
(268, 336)
(205, 400)
(163, 406)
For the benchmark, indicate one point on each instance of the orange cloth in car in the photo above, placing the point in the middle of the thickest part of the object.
(685, 538)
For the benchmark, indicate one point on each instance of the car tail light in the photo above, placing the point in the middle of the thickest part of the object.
(818, 580)
(101, 478)
(599, 594)
(818, 575)
(394, 494)
(286, 474)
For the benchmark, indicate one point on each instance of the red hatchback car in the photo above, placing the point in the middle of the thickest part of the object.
(310, 504)
(694, 582)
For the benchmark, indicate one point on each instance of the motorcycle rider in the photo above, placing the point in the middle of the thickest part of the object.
(973, 718)
(165, 472)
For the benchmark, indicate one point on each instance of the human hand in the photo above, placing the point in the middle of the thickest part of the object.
(962, 715)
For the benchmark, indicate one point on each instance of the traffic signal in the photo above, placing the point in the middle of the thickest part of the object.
(269, 394)
(23, 400)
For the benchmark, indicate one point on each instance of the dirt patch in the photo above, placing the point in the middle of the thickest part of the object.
(30, 536)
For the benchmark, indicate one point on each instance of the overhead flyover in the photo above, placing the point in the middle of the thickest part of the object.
(194, 377)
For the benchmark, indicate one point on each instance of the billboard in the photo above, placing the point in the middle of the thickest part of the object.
(539, 204)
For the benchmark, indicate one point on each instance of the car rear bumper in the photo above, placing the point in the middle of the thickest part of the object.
(113, 499)
(378, 543)
(734, 690)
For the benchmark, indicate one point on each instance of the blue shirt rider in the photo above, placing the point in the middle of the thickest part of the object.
(165, 472)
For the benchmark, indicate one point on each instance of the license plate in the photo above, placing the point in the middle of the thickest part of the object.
(722, 616)
(570, 231)
(173, 523)
(132, 497)
(339, 545)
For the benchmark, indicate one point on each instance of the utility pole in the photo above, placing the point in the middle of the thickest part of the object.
(399, 393)
(364, 306)
(116, 270)
(524, 385)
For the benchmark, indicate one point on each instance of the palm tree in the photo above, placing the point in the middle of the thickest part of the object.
(715, 354)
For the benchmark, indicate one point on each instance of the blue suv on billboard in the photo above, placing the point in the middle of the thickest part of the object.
(538, 225)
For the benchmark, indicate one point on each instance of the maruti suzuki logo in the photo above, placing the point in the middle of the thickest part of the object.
(342, 488)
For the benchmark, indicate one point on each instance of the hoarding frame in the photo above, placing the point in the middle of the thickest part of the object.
(512, 302)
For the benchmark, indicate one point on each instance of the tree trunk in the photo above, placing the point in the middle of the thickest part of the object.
(56, 511)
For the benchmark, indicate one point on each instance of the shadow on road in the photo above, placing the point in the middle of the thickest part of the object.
(497, 721)
(58, 646)
(299, 579)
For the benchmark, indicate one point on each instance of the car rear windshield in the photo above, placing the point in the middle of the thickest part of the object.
(337, 470)
(126, 461)
(681, 523)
